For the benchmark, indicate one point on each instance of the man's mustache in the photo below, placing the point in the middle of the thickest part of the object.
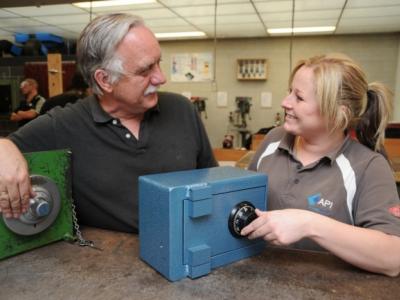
(150, 89)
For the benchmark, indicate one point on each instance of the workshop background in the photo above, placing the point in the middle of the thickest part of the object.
(236, 34)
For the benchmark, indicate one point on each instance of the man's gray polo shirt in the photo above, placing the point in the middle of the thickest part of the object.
(107, 159)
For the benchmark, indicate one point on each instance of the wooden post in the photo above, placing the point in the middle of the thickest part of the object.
(54, 67)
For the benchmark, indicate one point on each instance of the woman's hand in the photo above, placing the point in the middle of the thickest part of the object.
(279, 227)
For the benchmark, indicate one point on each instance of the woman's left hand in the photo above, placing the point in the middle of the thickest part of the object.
(280, 227)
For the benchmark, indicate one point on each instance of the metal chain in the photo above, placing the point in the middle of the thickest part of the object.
(75, 223)
(80, 240)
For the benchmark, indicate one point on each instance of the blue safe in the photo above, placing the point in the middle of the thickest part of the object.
(190, 221)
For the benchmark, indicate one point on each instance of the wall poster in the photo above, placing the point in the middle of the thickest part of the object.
(192, 67)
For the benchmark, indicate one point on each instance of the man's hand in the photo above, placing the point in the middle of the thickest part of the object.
(15, 185)
(279, 227)
(14, 117)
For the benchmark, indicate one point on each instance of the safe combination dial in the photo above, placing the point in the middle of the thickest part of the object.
(241, 216)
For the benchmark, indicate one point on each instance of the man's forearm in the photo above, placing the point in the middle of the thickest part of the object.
(24, 115)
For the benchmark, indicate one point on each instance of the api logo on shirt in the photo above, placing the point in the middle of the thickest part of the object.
(319, 204)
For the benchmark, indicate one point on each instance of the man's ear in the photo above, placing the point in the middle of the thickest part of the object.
(102, 79)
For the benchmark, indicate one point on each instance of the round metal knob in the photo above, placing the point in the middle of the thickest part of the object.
(43, 208)
(241, 216)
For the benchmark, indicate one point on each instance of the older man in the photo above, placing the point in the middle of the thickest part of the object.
(126, 129)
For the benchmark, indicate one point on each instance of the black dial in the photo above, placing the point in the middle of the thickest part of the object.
(241, 216)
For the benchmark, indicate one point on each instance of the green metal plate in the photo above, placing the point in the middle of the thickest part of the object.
(55, 165)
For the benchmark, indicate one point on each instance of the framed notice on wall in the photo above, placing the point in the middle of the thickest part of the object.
(192, 67)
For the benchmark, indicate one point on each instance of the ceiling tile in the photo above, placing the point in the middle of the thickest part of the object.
(238, 19)
(315, 23)
(273, 6)
(165, 22)
(174, 3)
(72, 27)
(121, 8)
(198, 21)
(376, 21)
(46, 10)
(317, 15)
(209, 10)
(7, 14)
(278, 24)
(190, 11)
(371, 3)
(148, 14)
(172, 28)
(232, 1)
(302, 5)
(229, 9)
(20, 22)
(57, 20)
(368, 28)
(372, 12)
(283, 16)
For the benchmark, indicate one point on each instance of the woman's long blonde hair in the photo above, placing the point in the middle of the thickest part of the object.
(347, 100)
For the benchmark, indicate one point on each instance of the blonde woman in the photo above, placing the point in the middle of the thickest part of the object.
(328, 190)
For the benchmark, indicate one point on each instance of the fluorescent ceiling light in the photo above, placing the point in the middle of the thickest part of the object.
(302, 29)
(165, 35)
(111, 3)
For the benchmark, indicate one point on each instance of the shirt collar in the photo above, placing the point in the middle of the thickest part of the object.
(287, 144)
(98, 113)
(101, 116)
(334, 154)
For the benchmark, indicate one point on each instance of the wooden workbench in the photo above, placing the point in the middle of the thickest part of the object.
(66, 271)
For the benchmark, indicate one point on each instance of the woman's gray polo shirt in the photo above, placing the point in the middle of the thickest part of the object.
(353, 185)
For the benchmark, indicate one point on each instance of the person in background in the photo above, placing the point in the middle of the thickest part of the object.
(326, 189)
(30, 107)
(79, 89)
(126, 129)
